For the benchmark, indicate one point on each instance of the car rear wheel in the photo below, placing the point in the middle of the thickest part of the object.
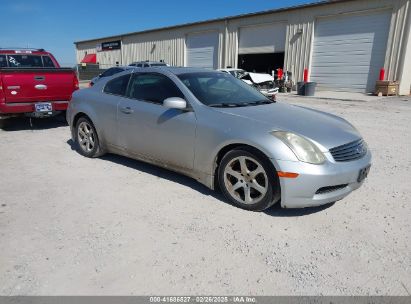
(87, 141)
(248, 180)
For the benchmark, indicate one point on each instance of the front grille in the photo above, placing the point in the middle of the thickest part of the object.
(330, 189)
(350, 151)
(266, 86)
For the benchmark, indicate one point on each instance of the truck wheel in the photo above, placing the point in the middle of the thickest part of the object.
(2, 123)
(87, 142)
(61, 117)
(248, 180)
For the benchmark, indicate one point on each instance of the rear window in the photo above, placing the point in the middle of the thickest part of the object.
(25, 61)
(111, 72)
(3, 61)
(48, 63)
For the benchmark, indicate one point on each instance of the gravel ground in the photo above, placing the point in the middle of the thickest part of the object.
(113, 226)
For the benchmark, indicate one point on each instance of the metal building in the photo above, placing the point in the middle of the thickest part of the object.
(343, 43)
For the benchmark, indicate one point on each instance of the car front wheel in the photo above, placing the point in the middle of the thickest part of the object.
(248, 180)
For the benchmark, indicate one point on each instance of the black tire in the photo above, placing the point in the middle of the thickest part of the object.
(60, 117)
(88, 149)
(2, 123)
(267, 180)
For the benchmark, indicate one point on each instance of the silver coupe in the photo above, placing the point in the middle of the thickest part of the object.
(222, 132)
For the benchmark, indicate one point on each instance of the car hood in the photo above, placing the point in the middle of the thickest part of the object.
(327, 130)
(260, 78)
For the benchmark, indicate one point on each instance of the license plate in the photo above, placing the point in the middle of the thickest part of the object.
(363, 174)
(43, 107)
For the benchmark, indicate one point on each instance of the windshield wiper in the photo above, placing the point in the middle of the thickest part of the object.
(241, 104)
(224, 105)
(260, 102)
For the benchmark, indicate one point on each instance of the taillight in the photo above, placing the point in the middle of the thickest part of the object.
(76, 83)
(2, 96)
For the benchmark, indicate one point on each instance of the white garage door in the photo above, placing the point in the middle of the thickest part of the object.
(202, 50)
(349, 51)
(268, 38)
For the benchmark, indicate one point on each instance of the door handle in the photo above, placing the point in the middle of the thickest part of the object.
(126, 110)
(41, 87)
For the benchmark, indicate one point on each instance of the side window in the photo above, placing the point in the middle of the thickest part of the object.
(117, 86)
(3, 61)
(139, 65)
(146, 65)
(152, 87)
(48, 63)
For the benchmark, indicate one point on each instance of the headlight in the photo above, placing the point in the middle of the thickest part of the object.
(304, 149)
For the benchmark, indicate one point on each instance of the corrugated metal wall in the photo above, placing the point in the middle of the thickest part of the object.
(396, 39)
(165, 45)
(405, 62)
(154, 47)
(85, 48)
(169, 45)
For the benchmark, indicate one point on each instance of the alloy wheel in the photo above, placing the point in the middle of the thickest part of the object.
(86, 137)
(246, 180)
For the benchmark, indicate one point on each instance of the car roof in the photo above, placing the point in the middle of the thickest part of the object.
(122, 67)
(166, 69)
(162, 69)
(184, 70)
(230, 69)
(23, 52)
(149, 62)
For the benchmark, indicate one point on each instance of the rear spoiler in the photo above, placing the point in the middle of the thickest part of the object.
(39, 70)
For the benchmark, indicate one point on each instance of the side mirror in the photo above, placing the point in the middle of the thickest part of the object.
(175, 103)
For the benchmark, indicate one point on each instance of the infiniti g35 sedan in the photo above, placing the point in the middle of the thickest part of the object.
(222, 132)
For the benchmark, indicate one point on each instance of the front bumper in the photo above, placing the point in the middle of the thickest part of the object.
(302, 191)
(269, 93)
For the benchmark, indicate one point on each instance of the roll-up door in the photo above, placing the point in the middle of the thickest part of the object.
(349, 51)
(202, 50)
(267, 38)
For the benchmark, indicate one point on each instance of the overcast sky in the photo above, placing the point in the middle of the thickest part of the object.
(55, 25)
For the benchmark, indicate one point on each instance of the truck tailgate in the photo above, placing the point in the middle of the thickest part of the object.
(37, 84)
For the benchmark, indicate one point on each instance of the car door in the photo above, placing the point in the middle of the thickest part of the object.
(106, 105)
(148, 129)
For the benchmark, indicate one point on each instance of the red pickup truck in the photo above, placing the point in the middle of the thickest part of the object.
(33, 84)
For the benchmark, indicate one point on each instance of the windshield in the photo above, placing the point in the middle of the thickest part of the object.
(222, 90)
(158, 64)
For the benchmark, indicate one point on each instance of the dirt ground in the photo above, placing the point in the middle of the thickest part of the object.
(113, 226)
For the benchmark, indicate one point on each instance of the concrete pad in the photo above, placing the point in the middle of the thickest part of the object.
(344, 96)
